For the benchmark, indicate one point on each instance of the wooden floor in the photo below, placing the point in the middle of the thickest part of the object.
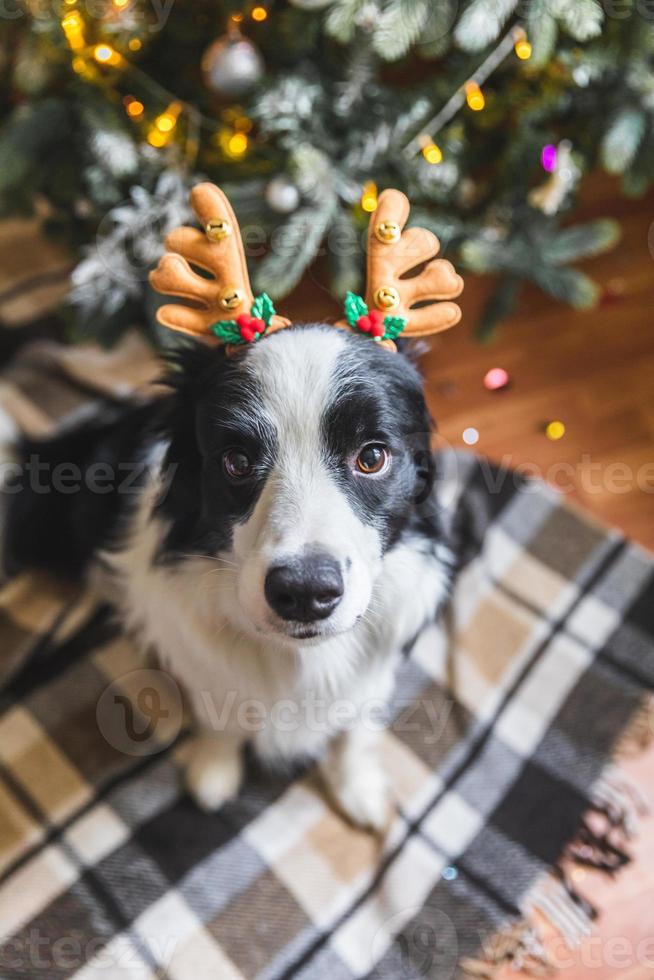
(594, 371)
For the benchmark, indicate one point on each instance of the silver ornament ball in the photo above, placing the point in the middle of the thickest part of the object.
(282, 195)
(232, 66)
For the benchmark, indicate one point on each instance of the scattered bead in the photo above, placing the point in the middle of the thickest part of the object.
(449, 873)
(555, 430)
(496, 378)
(470, 436)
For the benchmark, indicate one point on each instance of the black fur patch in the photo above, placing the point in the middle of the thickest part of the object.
(378, 397)
(68, 495)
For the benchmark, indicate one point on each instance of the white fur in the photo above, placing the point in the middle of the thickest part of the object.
(209, 622)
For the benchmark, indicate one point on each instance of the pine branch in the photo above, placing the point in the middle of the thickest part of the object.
(344, 245)
(621, 142)
(482, 22)
(436, 37)
(581, 242)
(399, 26)
(296, 246)
(341, 21)
(500, 305)
(582, 19)
(567, 285)
(543, 31)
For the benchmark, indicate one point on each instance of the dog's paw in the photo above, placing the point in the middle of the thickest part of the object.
(213, 772)
(365, 800)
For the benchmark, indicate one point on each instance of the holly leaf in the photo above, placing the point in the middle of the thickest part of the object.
(227, 331)
(355, 306)
(263, 308)
(393, 326)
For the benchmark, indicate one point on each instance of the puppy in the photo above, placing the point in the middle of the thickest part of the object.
(281, 549)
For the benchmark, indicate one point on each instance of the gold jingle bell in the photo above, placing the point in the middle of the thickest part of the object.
(231, 298)
(386, 298)
(388, 232)
(218, 228)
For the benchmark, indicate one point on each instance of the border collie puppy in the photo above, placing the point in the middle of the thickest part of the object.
(282, 548)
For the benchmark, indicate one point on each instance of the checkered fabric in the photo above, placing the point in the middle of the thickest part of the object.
(502, 725)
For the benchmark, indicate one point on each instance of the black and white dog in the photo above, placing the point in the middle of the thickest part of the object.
(284, 543)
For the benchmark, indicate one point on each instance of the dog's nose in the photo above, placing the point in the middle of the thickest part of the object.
(305, 589)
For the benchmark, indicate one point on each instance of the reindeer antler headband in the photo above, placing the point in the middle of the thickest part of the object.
(226, 310)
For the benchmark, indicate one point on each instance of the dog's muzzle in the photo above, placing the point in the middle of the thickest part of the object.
(304, 589)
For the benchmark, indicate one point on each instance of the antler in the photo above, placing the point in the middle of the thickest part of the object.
(392, 252)
(218, 250)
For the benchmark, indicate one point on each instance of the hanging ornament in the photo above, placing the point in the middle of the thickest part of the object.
(282, 195)
(310, 4)
(232, 65)
(550, 196)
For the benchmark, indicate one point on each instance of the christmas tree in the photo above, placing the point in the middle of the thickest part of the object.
(487, 113)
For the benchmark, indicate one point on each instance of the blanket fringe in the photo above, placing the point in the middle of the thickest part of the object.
(615, 806)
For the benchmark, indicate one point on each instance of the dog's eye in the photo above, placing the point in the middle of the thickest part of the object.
(372, 459)
(237, 464)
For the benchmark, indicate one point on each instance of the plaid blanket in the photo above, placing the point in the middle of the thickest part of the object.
(502, 732)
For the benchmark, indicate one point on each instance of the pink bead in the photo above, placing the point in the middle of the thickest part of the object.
(496, 378)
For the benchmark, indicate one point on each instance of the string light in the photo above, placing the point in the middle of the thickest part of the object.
(155, 138)
(73, 28)
(120, 3)
(474, 96)
(432, 152)
(369, 196)
(549, 157)
(167, 121)
(555, 430)
(237, 145)
(79, 66)
(523, 49)
(162, 128)
(233, 144)
(104, 54)
(133, 107)
(134, 44)
(259, 13)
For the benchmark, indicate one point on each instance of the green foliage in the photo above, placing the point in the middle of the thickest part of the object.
(582, 19)
(542, 30)
(227, 331)
(622, 139)
(581, 242)
(482, 22)
(297, 246)
(400, 25)
(393, 326)
(263, 308)
(355, 306)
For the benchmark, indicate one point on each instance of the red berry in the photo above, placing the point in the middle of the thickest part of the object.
(247, 333)
(364, 323)
(258, 324)
(243, 319)
(378, 329)
(376, 316)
